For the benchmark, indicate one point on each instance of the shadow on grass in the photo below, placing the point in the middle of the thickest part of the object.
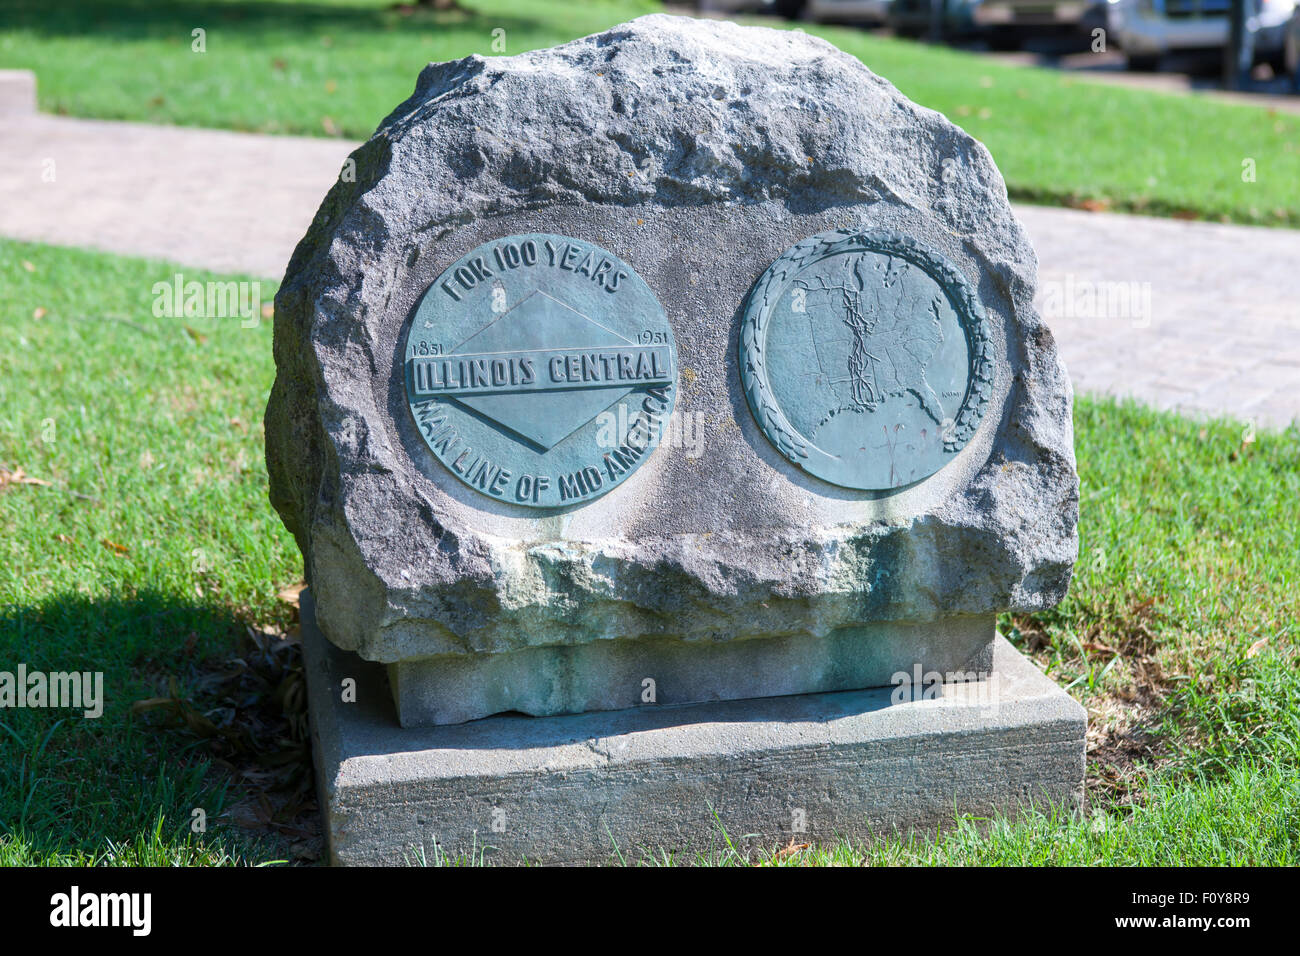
(139, 630)
(202, 711)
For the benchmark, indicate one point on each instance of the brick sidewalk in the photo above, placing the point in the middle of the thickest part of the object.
(1200, 317)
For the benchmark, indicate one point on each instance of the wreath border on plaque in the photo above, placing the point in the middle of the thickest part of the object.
(771, 285)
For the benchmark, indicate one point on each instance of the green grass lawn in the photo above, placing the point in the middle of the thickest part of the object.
(148, 551)
(152, 549)
(336, 67)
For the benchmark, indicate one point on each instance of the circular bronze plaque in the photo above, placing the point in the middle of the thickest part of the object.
(540, 370)
(865, 358)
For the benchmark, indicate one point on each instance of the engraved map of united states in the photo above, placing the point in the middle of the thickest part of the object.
(887, 332)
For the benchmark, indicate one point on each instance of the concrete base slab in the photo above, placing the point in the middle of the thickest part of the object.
(17, 92)
(597, 787)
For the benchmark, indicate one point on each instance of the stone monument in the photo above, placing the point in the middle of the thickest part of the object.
(664, 420)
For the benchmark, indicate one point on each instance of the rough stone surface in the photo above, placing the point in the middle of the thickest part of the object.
(699, 152)
(671, 779)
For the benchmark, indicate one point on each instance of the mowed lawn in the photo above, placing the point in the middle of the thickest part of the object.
(336, 68)
(136, 539)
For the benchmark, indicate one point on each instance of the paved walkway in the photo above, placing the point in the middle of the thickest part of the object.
(1200, 317)
(232, 202)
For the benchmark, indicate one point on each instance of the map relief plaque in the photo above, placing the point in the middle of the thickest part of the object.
(540, 370)
(865, 358)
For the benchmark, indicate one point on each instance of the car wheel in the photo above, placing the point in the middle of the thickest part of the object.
(1142, 63)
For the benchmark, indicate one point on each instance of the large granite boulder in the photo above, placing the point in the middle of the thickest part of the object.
(697, 152)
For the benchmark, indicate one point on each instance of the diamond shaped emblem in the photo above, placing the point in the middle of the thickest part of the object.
(548, 417)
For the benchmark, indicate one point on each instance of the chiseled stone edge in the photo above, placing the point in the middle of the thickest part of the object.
(609, 674)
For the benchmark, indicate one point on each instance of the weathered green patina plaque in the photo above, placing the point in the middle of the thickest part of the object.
(865, 358)
(541, 370)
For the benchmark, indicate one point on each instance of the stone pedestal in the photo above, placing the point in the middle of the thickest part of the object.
(600, 787)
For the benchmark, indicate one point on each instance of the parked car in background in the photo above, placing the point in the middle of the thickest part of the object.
(867, 12)
(1291, 49)
(1150, 29)
(1006, 24)
(913, 18)
(790, 9)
